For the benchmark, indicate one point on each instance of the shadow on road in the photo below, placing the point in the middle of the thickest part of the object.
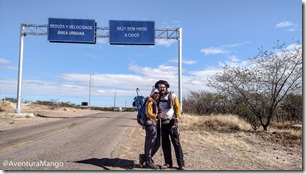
(105, 163)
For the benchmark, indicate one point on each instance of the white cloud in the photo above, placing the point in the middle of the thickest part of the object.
(221, 49)
(284, 24)
(290, 26)
(189, 62)
(234, 61)
(184, 61)
(11, 67)
(4, 61)
(214, 50)
(165, 42)
(233, 58)
(205, 72)
(235, 45)
(77, 85)
(142, 77)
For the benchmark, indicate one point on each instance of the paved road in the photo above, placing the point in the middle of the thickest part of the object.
(80, 143)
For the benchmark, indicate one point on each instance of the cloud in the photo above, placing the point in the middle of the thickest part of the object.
(234, 61)
(165, 42)
(221, 49)
(4, 61)
(11, 67)
(284, 24)
(189, 62)
(236, 45)
(184, 61)
(142, 77)
(214, 50)
(287, 25)
(292, 29)
(162, 71)
(77, 85)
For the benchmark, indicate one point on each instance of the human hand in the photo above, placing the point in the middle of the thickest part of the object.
(159, 115)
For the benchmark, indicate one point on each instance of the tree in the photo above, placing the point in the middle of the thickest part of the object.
(265, 83)
(292, 105)
(205, 103)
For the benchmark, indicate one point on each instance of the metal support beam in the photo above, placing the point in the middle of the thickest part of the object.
(102, 32)
(33, 29)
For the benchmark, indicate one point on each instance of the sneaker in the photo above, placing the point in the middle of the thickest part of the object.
(165, 166)
(181, 167)
(152, 166)
(142, 159)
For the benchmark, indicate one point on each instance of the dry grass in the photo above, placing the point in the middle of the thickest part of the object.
(222, 131)
(222, 123)
(231, 127)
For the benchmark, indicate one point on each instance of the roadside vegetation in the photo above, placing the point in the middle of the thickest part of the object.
(263, 98)
(267, 90)
(285, 134)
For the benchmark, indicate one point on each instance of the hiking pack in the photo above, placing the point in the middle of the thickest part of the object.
(170, 100)
(141, 104)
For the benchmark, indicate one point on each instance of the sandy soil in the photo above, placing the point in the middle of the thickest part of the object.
(211, 150)
(203, 149)
(35, 114)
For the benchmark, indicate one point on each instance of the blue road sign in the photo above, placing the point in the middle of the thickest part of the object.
(72, 30)
(131, 32)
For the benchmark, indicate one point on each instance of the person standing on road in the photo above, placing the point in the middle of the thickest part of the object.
(151, 140)
(170, 116)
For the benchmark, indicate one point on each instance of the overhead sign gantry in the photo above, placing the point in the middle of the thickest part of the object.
(119, 32)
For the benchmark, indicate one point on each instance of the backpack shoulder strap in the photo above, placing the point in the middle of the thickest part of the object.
(171, 96)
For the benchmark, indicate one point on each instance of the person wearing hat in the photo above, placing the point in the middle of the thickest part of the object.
(170, 115)
(151, 140)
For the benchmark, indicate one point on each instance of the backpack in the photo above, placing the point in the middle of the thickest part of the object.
(170, 101)
(141, 104)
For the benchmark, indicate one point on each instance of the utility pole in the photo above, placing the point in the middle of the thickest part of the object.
(115, 100)
(90, 85)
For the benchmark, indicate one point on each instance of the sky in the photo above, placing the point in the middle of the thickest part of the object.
(215, 33)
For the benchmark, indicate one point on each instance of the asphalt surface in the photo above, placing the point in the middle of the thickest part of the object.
(79, 143)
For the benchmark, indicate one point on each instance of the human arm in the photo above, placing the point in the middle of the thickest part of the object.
(150, 114)
(177, 108)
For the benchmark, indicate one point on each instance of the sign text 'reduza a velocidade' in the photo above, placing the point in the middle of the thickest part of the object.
(71, 27)
(132, 31)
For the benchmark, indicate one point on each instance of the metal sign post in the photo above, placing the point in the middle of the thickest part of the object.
(42, 30)
(180, 46)
(22, 35)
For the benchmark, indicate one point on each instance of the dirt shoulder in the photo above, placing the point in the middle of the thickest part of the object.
(213, 150)
(36, 114)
